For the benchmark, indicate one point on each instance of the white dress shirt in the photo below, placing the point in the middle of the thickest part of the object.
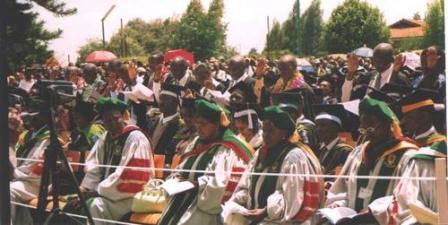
(347, 87)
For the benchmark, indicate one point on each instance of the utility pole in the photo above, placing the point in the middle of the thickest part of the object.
(102, 23)
(5, 212)
(268, 47)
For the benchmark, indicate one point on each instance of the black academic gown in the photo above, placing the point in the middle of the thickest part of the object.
(166, 144)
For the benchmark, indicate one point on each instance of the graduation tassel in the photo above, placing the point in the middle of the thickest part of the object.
(396, 129)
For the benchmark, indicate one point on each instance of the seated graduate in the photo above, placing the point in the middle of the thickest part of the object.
(293, 102)
(396, 208)
(83, 138)
(162, 127)
(188, 132)
(247, 123)
(109, 191)
(219, 152)
(333, 151)
(87, 130)
(417, 121)
(383, 153)
(27, 174)
(278, 199)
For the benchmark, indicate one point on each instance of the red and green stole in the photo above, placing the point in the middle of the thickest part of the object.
(392, 153)
(180, 202)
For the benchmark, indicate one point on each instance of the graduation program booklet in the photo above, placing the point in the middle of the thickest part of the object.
(335, 214)
(174, 186)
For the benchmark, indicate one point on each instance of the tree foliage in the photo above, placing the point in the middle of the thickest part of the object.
(312, 26)
(26, 37)
(307, 40)
(200, 32)
(353, 24)
(435, 30)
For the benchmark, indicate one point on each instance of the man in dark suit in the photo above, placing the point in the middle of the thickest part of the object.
(383, 60)
(236, 69)
(163, 126)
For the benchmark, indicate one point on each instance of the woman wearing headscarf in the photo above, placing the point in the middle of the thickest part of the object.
(291, 197)
(217, 151)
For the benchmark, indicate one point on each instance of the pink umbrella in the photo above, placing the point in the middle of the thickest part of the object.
(172, 54)
(100, 56)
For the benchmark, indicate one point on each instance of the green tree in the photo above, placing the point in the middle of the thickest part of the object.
(197, 32)
(291, 30)
(435, 30)
(276, 38)
(131, 47)
(311, 31)
(353, 24)
(26, 37)
(216, 26)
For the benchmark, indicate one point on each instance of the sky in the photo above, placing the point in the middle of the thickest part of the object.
(246, 19)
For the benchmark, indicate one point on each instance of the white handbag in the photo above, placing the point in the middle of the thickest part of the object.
(151, 200)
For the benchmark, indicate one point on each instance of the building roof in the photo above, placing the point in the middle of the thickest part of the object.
(406, 28)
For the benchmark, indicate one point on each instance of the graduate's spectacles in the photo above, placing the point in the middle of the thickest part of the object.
(368, 130)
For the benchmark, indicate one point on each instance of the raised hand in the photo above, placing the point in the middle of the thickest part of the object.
(398, 62)
(352, 66)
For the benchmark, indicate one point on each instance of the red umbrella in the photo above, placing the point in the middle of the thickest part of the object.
(172, 54)
(100, 56)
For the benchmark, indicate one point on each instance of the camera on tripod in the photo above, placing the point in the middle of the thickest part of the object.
(54, 92)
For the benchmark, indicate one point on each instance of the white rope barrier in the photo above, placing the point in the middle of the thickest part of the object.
(76, 215)
(249, 173)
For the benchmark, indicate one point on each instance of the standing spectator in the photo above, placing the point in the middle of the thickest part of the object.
(383, 61)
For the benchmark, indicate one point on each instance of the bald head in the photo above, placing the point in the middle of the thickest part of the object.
(287, 66)
(90, 71)
(178, 67)
(236, 67)
(383, 56)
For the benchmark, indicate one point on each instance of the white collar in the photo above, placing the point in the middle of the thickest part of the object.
(426, 134)
(257, 139)
(302, 117)
(387, 73)
(332, 143)
(184, 79)
(242, 78)
(169, 118)
(215, 82)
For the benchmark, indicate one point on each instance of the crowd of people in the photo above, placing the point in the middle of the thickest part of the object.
(255, 134)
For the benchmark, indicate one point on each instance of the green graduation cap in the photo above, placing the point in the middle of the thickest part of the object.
(280, 118)
(211, 112)
(105, 104)
(379, 108)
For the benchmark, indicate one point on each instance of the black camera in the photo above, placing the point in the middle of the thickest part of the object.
(55, 92)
